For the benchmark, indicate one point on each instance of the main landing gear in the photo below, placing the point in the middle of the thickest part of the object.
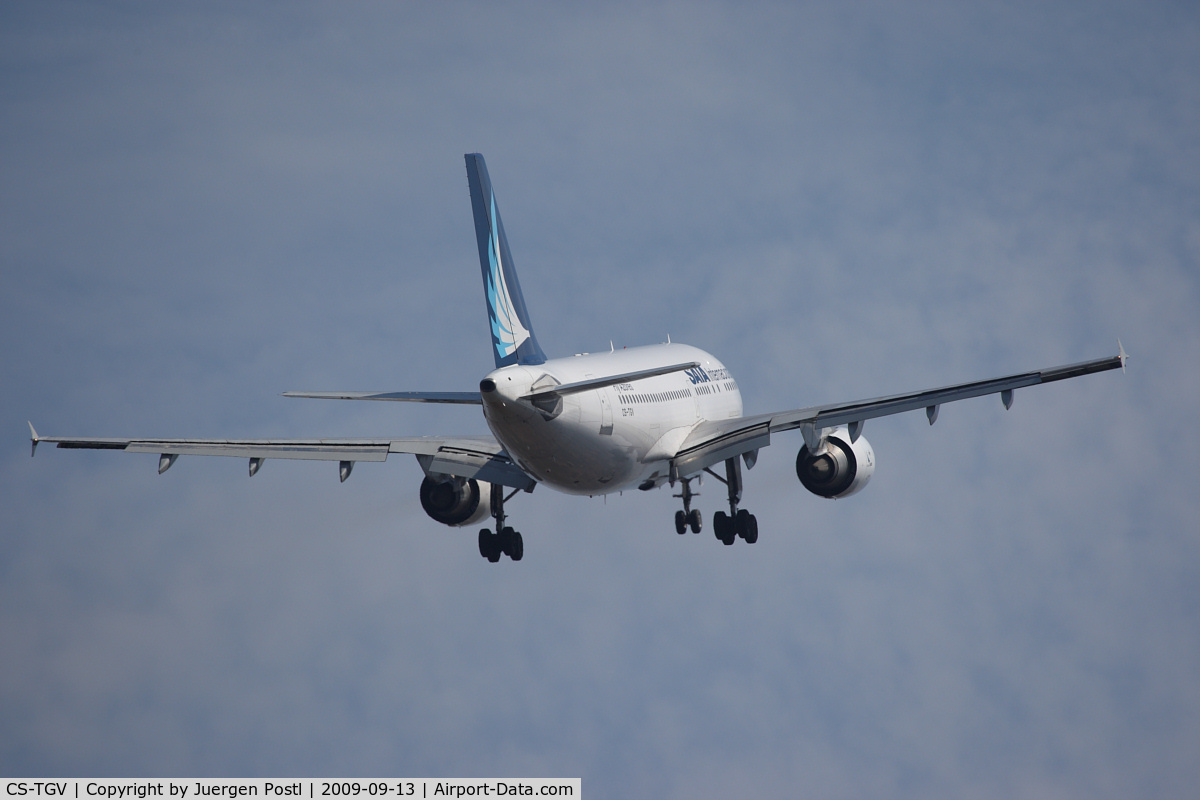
(727, 527)
(737, 523)
(505, 541)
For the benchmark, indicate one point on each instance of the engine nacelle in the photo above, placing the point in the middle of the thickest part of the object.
(841, 470)
(455, 501)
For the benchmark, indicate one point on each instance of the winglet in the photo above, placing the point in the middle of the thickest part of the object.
(34, 438)
(1121, 354)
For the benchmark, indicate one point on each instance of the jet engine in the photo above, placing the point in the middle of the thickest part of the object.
(840, 468)
(455, 501)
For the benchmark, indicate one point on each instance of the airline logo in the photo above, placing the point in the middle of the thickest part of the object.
(701, 375)
(508, 332)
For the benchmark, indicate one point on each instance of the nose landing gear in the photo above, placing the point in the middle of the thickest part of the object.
(505, 541)
(689, 517)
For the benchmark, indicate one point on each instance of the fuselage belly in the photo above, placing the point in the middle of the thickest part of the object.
(615, 437)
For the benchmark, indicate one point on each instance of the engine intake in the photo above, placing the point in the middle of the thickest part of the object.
(841, 469)
(454, 501)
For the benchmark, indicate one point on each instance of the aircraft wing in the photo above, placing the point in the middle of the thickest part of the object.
(712, 442)
(479, 457)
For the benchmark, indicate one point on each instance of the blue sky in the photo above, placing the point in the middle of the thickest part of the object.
(204, 206)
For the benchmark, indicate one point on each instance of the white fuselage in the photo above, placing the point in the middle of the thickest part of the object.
(616, 437)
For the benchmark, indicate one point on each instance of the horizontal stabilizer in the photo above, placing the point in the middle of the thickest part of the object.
(608, 380)
(461, 398)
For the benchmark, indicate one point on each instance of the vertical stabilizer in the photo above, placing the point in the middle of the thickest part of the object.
(513, 341)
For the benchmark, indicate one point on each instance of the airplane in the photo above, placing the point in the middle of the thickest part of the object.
(596, 424)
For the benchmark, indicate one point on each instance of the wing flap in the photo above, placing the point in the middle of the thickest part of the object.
(479, 458)
(301, 449)
(87, 445)
(715, 444)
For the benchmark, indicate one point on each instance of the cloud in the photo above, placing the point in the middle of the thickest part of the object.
(201, 208)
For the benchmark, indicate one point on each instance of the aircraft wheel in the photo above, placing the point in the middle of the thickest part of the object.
(723, 528)
(489, 545)
(695, 521)
(505, 541)
(741, 523)
(680, 522)
(516, 547)
(485, 544)
(751, 532)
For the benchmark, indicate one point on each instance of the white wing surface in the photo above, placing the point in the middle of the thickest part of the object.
(479, 457)
(713, 442)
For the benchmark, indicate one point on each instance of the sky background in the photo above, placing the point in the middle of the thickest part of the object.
(202, 206)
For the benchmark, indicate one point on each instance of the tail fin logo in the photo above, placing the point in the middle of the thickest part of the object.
(513, 340)
(507, 328)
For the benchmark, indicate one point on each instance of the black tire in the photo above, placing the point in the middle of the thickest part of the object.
(505, 541)
(680, 522)
(742, 524)
(517, 547)
(752, 531)
(695, 520)
(485, 544)
(723, 528)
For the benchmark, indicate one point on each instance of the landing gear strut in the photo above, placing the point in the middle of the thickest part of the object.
(505, 541)
(737, 523)
(689, 516)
